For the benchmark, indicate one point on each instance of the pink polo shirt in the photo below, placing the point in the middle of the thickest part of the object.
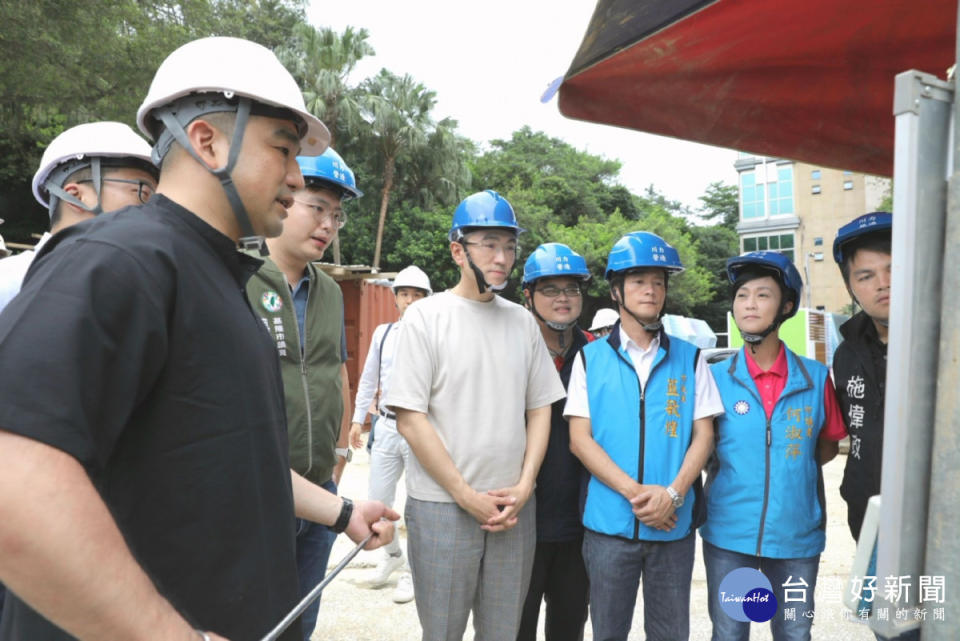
(770, 384)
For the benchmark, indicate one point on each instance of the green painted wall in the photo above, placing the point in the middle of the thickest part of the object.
(793, 333)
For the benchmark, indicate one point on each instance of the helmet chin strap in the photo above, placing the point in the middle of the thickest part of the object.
(653, 327)
(559, 328)
(57, 193)
(755, 339)
(482, 284)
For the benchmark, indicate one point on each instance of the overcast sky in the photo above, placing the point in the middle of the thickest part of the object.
(490, 62)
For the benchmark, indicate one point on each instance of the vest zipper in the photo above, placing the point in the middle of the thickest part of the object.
(766, 485)
(303, 368)
(643, 429)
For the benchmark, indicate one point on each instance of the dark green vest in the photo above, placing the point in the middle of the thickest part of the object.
(311, 384)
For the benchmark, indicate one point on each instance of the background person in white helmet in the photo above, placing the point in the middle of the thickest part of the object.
(472, 386)
(302, 308)
(153, 497)
(553, 280)
(603, 321)
(86, 170)
(390, 453)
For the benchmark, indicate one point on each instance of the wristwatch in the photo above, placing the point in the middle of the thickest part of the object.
(345, 452)
(346, 511)
(675, 497)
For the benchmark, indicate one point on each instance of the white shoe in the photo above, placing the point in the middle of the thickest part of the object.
(388, 564)
(404, 591)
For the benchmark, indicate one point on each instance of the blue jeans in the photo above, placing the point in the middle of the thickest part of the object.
(615, 567)
(314, 542)
(720, 562)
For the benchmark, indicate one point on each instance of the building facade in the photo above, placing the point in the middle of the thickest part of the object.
(796, 208)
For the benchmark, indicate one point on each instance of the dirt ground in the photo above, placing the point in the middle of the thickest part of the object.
(350, 611)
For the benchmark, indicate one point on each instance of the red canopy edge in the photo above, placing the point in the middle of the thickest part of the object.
(809, 80)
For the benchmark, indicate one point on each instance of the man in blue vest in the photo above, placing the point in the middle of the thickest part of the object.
(641, 407)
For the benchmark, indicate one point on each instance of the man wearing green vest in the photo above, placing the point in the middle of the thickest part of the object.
(302, 309)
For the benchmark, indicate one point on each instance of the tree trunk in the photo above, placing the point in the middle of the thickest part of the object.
(384, 199)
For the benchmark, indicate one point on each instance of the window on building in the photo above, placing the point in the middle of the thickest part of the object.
(818, 241)
(766, 190)
(776, 242)
(847, 173)
(848, 185)
(815, 189)
(815, 174)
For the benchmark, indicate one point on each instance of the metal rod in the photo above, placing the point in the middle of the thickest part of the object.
(314, 593)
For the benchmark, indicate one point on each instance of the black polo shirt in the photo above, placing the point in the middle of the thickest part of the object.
(559, 504)
(132, 348)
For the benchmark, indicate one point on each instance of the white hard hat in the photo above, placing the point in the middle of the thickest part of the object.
(233, 67)
(412, 276)
(4, 252)
(82, 143)
(605, 317)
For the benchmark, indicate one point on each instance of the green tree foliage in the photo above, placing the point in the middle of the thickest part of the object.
(321, 60)
(64, 63)
(715, 245)
(721, 205)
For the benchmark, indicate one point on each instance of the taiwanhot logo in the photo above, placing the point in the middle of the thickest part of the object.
(746, 595)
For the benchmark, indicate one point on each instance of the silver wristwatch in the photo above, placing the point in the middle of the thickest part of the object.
(345, 452)
(675, 497)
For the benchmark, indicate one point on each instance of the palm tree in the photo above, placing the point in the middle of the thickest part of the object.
(397, 110)
(321, 60)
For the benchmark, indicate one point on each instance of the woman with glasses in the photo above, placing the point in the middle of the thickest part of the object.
(553, 278)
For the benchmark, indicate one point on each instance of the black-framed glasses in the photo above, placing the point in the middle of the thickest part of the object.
(339, 218)
(490, 248)
(551, 291)
(144, 189)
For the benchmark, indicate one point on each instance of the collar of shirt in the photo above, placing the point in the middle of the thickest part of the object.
(770, 383)
(779, 367)
(240, 265)
(642, 358)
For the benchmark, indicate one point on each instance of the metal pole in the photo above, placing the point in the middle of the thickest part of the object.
(922, 109)
(314, 593)
(943, 523)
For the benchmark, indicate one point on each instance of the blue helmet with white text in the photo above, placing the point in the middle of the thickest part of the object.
(329, 169)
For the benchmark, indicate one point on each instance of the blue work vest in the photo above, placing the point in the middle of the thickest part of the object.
(646, 432)
(765, 487)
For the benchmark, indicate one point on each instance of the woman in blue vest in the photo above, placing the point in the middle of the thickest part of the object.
(765, 505)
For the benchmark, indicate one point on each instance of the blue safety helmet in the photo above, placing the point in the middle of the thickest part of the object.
(775, 262)
(640, 249)
(483, 209)
(877, 221)
(554, 259)
(329, 168)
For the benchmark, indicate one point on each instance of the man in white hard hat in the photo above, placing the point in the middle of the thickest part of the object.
(390, 453)
(87, 170)
(603, 321)
(302, 308)
(152, 497)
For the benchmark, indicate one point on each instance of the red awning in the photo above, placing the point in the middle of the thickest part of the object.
(809, 80)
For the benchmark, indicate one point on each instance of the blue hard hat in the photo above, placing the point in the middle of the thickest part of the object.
(774, 261)
(866, 224)
(483, 209)
(642, 249)
(329, 167)
(554, 259)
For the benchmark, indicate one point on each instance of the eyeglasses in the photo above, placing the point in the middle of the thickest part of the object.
(489, 248)
(552, 292)
(339, 218)
(144, 189)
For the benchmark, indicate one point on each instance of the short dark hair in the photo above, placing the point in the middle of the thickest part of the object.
(878, 241)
